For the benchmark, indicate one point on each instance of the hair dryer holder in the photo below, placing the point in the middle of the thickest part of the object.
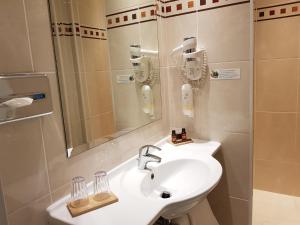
(192, 61)
(141, 61)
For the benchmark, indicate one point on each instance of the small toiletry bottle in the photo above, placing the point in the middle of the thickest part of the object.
(183, 134)
(178, 138)
(187, 100)
(174, 139)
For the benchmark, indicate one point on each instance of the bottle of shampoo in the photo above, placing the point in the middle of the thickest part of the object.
(147, 96)
(174, 136)
(187, 100)
(183, 134)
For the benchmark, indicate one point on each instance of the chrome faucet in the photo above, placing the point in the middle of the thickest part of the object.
(145, 157)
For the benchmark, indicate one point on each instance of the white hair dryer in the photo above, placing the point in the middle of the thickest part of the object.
(141, 62)
(193, 58)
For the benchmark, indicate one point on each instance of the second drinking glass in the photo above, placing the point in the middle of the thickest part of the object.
(101, 186)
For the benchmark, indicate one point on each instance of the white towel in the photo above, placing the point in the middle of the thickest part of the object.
(18, 102)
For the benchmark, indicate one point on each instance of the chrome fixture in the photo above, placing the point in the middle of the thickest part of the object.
(24, 96)
(145, 157)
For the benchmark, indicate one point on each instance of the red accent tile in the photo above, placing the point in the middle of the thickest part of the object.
(125, 18)
(152, 12)
(202, 2)
(117, 20)
(169, 8)
(179, 6)
(77, 29)
(283, 11)
(190, 4)
(261, 14)
(109, 21)
(85, 32)
(133, 16)
(295, 9)
(91, 32)
(215, 1)
(97, 33)
(272, 12)
(143, 14)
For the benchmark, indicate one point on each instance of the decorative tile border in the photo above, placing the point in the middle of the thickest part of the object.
(278, 11)
(181, 7)
(130, 17)
(71, 29)
(165, 9)
(171, 8)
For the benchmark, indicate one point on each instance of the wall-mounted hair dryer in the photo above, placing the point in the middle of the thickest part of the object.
(141, 62)
(193, 58)
(189, 45)
(193, 65)
(136, 50)
(135, 53)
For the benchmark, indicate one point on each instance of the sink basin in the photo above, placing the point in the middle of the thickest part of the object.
(181, 181)
(186, 174)
(177, 177)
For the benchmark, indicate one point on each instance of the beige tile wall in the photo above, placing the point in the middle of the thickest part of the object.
(116, 5)
(3, 219)
(74, 108)
(34, 170)
(127, 96)
(276, 109)
(222, 107)
(282, 209)
(85, 74)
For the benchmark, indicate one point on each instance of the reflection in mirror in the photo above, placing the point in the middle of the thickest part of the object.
(108, 68)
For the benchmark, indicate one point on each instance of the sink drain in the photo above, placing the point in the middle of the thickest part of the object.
(165, 194)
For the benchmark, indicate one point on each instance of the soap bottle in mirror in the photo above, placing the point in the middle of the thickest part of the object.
(174, 136)
(183, 134)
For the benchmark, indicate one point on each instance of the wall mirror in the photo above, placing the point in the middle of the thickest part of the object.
(108, 68)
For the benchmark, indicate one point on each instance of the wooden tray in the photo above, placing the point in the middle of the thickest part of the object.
(182, 142)
(92, 205)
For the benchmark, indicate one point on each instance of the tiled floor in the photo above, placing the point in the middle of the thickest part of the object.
(275, 209)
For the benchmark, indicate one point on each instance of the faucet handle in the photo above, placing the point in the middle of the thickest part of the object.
(154, 157)
(147, 147)
(145, 156)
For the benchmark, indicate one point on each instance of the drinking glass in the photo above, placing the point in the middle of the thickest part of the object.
(101, 186)
(79, 194)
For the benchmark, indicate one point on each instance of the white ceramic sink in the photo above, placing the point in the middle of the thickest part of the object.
(177, 177)
(186, 176)
(187, 172)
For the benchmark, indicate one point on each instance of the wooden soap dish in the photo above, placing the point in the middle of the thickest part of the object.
(92, 204)
(181, 142)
